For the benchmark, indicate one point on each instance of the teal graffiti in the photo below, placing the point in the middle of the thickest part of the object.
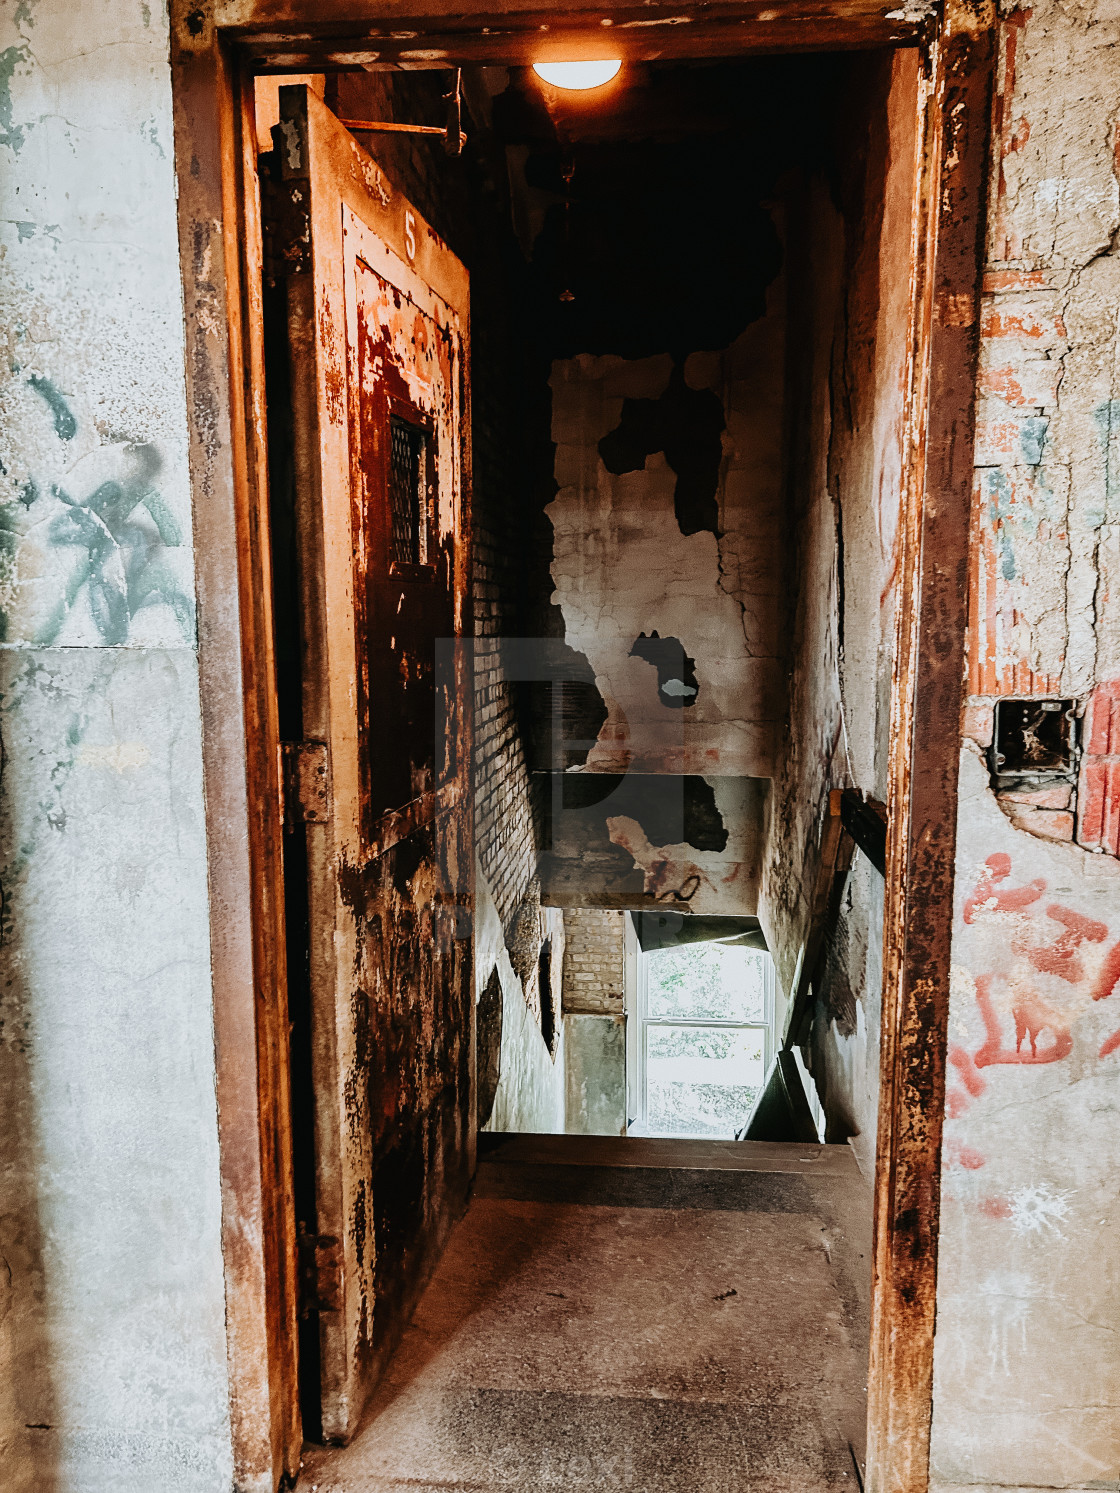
(10, 134)
(119, 537)
(125, 564)
(1032, 439)
(1000, 513)
(1106, 417)
(150, 132)
(65, 426)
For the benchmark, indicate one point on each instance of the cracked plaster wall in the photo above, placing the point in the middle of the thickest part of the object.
(1027, 1360)
(622, 567)
(112, 1338)
(849, 259)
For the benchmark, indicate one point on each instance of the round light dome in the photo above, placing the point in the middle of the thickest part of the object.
(577, 74)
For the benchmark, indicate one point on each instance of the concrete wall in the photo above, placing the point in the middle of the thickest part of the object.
(1027, 1360)
(112, 1342)
(595, 1074)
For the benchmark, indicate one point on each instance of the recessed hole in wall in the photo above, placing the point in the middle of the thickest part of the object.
(676, 672)
(489, 1039)
(1034, 737)
(548, 1003)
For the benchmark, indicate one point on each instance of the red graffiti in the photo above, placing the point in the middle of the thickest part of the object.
(956, 1104)
(1109, 974)
(958, 1154)
(995, 1207)
(1032, 1016)
(988, 897)
(962, 1062)
(1105, 984)
(1060, 957)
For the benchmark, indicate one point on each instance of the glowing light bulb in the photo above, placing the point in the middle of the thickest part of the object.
(577, 74)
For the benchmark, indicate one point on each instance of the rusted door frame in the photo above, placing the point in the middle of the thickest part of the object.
(214, 134)
(216, 46)
(926, 700)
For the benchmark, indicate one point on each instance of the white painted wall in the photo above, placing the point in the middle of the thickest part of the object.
(112, 1343)
(530, 1094)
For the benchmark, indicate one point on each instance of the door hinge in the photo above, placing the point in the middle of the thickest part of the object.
(306, 779)
(320, 1272)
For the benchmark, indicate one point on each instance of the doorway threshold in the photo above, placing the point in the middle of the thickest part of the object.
(648, 1315)
(668, 1152)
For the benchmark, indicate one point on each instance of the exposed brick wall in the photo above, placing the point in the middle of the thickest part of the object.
(1098, 794)
(594, 961)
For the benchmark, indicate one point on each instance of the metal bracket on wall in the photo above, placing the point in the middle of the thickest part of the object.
(452, 133)
(306, 778)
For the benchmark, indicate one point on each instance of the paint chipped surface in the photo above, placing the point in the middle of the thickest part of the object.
(641, 548)
(1048, 479)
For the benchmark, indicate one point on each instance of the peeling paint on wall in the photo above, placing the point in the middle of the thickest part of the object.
(849, 309)
(625, 565)
(530, 1089)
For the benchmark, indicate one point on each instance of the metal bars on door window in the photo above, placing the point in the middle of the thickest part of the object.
(408, 474)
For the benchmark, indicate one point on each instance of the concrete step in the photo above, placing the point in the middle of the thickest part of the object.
(644, 1151)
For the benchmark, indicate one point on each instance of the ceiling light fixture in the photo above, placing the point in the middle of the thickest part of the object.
(580, 75)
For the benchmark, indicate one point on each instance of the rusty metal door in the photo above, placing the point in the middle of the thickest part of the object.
(369, 468)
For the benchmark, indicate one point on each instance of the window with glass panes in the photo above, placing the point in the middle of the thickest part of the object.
(704, 1033)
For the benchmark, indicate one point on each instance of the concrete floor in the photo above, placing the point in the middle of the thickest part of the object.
(658, 1316)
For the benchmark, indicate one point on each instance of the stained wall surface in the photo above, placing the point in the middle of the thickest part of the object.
(112, 1333)
(849, 235)
(1027, 1362)
(528, 1077)
(680, 624)
(629, 566)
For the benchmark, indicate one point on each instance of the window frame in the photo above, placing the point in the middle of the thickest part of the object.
(637, 1039)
